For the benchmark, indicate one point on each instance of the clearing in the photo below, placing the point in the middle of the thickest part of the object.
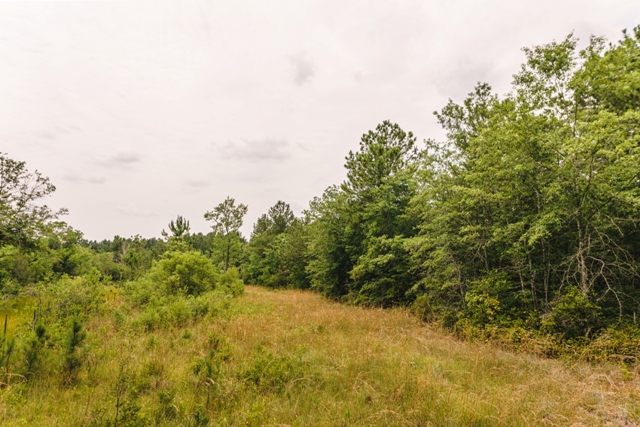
(292, 358)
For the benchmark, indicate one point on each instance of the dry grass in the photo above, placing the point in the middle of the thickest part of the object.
(291, 358)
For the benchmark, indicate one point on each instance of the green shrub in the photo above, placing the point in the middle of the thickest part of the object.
(212, 303)
(231, 280)
(423, 309)
(179, 310)
(482, 308)
(189, 273)
(620, 343)
(148, 320)
(493, 300)
(207, 368)
(166, 408)
(152, 374)
(71, 297)
(572, 315)
(140, 292)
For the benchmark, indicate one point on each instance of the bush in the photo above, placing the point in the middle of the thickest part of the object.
(70, 297)
(231, 280)
(189, 273)
(620, 343)
(179, 310)
(573, 315)
(493, 301)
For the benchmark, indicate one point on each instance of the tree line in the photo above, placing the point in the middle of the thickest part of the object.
(524, 221)
(526, 217)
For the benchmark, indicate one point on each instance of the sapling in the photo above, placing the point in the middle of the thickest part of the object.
(73, 361)
(33, 349)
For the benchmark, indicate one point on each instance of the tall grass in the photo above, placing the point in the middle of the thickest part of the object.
(292, 358)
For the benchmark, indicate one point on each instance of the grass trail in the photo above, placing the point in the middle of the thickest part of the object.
(383, 367)
(291, 358)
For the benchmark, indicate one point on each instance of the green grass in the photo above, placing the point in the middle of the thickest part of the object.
(17, 311)
(291, 358)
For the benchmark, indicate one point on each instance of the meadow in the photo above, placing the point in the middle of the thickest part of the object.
(293, 358)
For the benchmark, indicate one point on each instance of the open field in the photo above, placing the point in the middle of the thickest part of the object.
(291, 358)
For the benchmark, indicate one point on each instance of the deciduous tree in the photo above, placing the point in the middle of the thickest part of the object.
(227, 219)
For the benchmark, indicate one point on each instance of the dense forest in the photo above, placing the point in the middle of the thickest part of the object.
(523, 223)
(522, 226)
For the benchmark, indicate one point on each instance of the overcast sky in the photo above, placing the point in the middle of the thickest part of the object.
(142, 110)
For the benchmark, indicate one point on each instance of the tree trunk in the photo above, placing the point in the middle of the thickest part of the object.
(226, 260)
(581, 259)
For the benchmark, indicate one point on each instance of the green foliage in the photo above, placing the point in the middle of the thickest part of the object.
(33, 349)
(179, 229)
(69, 297)
(573, 315)
(189, 273)
(329, 261)
(522, 226)
(231, 280)
(358, 231)
(524, 218)
(541, 189)
(494, 300)
(620, 343)
(21, 220)
(380, 184)
(166, 408)
(273, 373)
(72, 357)
(166, 311)
(233, 244)
(277, 252)
(227, 220)
(286, 258)
(125, 258)
(216, 247)
(208, 369)
(7, 351)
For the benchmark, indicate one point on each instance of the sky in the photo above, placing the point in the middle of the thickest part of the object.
(139, 111)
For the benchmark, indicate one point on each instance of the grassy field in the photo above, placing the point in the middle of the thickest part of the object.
(290, 358)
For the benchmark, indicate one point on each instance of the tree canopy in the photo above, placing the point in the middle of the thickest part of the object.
(22, 219)
(227, 220)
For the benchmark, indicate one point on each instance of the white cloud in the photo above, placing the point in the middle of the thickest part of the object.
(45, 135)
(267, 149)
(133, 210)
(91, 179)
(302, 67)
(197, 183)
(121, 160)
